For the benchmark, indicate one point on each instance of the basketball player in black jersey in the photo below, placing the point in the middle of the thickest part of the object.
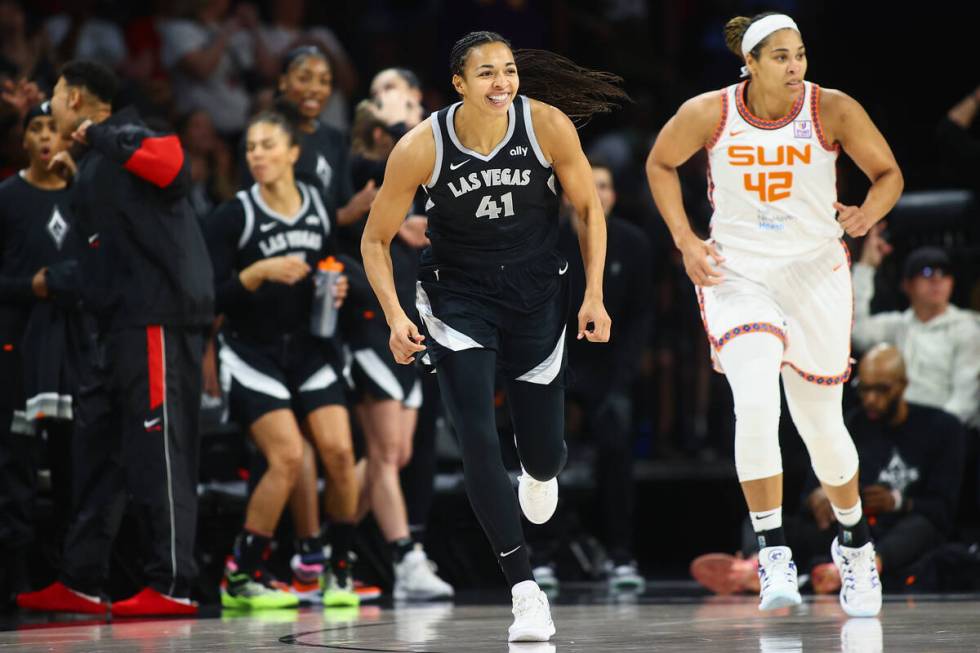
(306, 83)
(491, 290)
(284, 383)
(34, 230)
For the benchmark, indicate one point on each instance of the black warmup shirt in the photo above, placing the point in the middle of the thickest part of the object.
(145, 261)
(323, 162)
(922, 458)
(490, 210)
(245, 230)
(34, 233)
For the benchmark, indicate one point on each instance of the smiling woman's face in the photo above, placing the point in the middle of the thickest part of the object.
(490, 80)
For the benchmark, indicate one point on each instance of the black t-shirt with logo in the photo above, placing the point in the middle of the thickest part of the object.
(35, 232)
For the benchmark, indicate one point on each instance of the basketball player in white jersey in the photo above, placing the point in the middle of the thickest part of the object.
(773, 280)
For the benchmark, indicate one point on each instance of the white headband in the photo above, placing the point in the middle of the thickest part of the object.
(762, 28)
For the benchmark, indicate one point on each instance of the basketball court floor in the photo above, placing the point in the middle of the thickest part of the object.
(588, 622)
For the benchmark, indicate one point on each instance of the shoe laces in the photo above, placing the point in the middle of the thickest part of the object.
(784, 571)
(858, 570)
(526, 605)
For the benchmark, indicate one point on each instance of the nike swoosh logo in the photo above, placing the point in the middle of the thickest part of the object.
(838, 267)
(267, 226)
(150, 423)
(453, 166)
(741, 131)
(761, 517)
(563, 270)
(93, 238)
(504, 555)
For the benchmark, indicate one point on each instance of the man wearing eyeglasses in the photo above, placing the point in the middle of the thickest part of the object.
(940, 342)
(911, 468)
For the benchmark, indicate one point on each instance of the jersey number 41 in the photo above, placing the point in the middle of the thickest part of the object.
(491, 210)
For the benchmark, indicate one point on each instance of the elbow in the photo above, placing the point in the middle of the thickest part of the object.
(655, 167)
(900, 180)
(370, 246)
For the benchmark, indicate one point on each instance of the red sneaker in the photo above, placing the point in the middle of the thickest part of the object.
(150, 602)
(58, 597)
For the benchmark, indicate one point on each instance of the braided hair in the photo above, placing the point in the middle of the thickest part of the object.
(578, 92)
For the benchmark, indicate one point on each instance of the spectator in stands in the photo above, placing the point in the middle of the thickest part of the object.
(23, 55)
(602, 375)
(78, 33)
(954, 135)
(940, 342)
(288, 30)
(211, 56)
(406, 82)
(213, 178)
(911, 467)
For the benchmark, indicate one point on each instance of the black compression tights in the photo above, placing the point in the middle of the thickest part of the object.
(466, 382)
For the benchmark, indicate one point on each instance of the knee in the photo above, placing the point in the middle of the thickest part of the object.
(833, 456)
(337, 455)
(757, 453)
(384, 452)
(287, 461)
(545, 468)
(404, 456)
(478, 443)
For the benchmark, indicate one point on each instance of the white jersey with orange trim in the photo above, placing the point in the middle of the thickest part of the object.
(772, 183)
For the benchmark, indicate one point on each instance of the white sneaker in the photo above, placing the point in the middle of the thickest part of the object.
(777, 579)
(416, 580)
(626, 578)
(532, 614)
(544, 576)
(860, 592)
(538, 500)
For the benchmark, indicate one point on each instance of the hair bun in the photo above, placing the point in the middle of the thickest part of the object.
(734, 31)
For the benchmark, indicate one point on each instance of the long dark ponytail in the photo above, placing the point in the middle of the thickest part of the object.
(578, 92)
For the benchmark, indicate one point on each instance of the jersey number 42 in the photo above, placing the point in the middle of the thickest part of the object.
(491, 210)
(771, 186)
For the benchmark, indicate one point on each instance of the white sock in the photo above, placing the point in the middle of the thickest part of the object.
(525, 588)
(848, 516)
(767, 520)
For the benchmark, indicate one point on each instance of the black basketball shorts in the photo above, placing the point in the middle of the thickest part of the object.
(518, 311)
(298, 372)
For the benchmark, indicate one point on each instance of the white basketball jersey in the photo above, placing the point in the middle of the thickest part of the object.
(772, 183)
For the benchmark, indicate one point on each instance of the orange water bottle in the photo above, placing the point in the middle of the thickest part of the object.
(323, 317)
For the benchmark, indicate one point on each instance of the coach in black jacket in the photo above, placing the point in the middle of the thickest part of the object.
(147, 279)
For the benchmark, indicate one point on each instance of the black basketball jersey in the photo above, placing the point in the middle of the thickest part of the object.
(495, 209)
(34, 233)
(323, 162)
(244, 231)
